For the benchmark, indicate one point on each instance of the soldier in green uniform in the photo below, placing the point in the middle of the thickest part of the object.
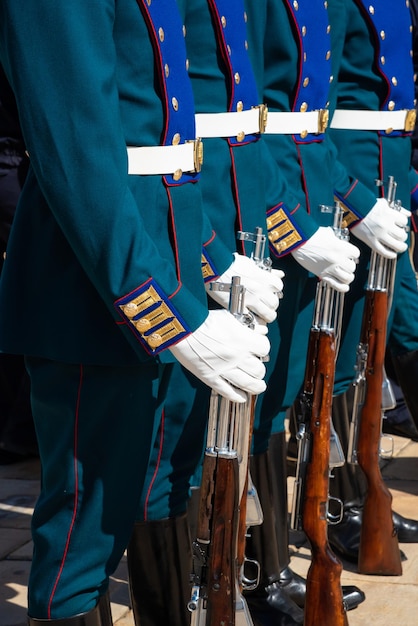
(292, 44)
(371, 127)
(237, 170)
(102, 285)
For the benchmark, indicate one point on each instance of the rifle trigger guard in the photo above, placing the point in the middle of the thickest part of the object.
(383, 452)
(249, 584)
(335, 519)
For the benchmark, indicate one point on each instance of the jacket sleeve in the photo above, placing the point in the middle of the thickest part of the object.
(61, 59)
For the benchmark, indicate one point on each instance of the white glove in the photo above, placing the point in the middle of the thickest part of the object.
(329, 258)
(262, 287)
(383, 229)
(225, 354)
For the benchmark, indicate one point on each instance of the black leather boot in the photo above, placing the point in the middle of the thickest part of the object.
(269, 604)
(406, 370)
(159, 566)
(99, 616)
(292, 583)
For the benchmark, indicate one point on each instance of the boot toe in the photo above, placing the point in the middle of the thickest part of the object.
(407, 528)
(273, 607)
(352, 597)
(294, 586)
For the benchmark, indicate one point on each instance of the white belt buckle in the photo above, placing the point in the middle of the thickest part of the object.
(165, 160)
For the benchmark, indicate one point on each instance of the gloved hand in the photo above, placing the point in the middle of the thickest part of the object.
(225, 354)
(383, 229)
(329, 258)
(262, 287)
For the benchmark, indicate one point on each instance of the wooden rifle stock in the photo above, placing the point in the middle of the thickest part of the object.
(222, 564)
(324, 599)
(379, 551)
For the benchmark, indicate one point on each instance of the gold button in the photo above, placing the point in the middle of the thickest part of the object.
(304, 134)
(161, 33)
(326, 4)
(237, 78)
(274, 234)
(187, 65)
(154, 340)
(331, 78)
(388, 131)
(228, 47)
(304, 57)
(328, 55)
(149, 2)
(176, 139)
(306, 82)
(382, 34)
(394, 81)
(328, 29)
(143, 325)
(303, 30)
(223, 21)
(382, 60)
(130, 309)
(391, 105)
(304, 107)
(4, 255)
(175, 103)
(240, 106)
(166, 70)
(245, 16)
(371, 10)
(246, 44)
(184, 30)
(241, 136)
(295, 5)
(178, 174)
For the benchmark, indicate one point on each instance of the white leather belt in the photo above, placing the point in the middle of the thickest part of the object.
(374, 120)
(296, 123)
(160, 160)
(231, 124)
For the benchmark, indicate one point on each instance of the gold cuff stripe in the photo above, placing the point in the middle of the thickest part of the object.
(208, 271)
(348, 216)
(153, 318)
(282, 233)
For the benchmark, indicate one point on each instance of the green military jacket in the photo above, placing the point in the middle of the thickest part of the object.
(102, 267)
(292, 47)
(234, 172)
(375, 73)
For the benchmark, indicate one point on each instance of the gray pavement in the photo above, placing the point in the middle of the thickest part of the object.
(389, 600)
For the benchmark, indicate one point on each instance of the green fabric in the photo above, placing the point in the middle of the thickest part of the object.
(85, 233)
(95, 432)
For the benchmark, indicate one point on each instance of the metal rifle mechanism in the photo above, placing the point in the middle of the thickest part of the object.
(229, 502)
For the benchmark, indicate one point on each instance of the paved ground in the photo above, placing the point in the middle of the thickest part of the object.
(390, 600)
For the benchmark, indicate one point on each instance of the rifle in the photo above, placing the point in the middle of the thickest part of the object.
(216, 594)
(250, 508)
(324, 603)
(379, 551)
